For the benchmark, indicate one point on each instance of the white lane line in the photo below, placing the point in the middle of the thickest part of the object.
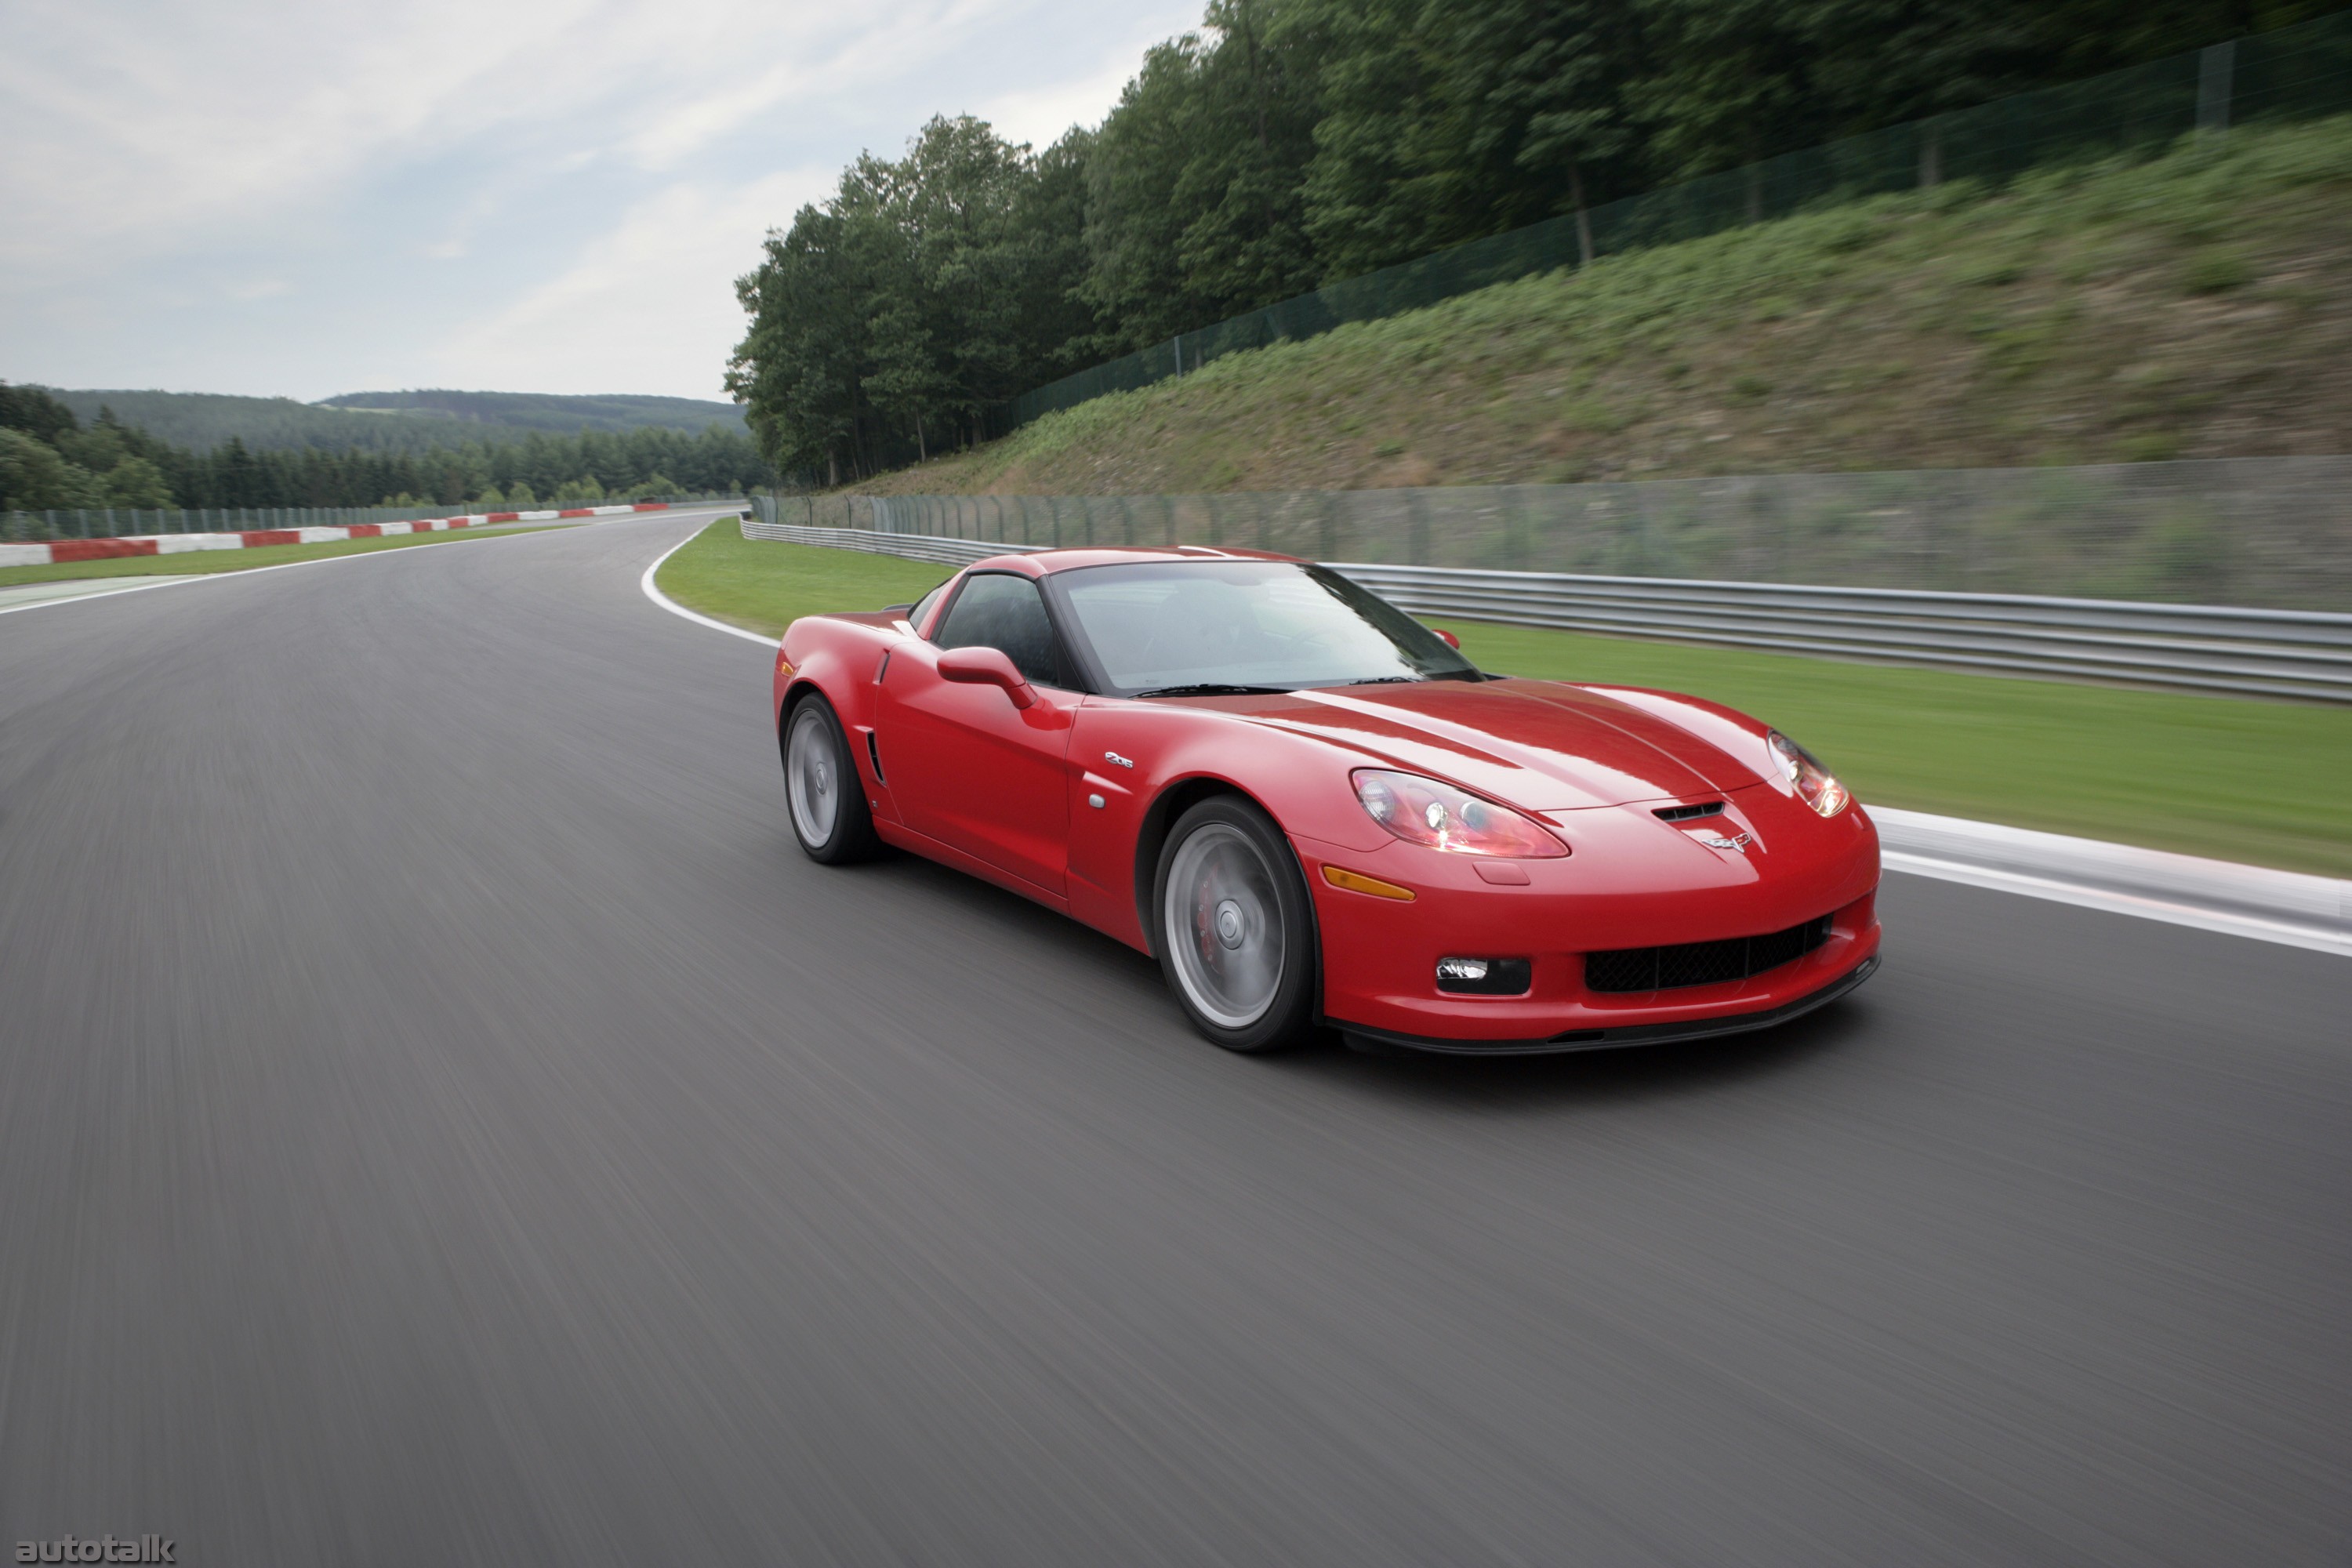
(2293, 908)
(2144, 907)
(675, 608)
(169, 581)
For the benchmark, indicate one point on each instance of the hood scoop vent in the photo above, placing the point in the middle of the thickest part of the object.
(1688, 813)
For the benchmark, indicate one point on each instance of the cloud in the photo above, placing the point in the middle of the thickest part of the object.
(648, 307)
(212, 114)
(1039, 114)
(294, 194)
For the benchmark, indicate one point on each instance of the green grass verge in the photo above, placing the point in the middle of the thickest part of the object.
(2208, 776)
(765, 587)
(203, 563)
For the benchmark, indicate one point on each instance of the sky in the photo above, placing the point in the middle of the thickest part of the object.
(304, 198)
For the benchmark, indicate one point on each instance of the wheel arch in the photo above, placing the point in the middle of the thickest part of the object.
(799, 685)
(1180, 796)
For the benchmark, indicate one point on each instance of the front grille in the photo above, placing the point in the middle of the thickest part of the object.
(1701, 963)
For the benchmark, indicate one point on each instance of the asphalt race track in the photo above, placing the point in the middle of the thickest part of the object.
(445, 1119)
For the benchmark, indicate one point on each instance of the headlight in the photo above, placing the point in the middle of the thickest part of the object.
(1424, 811)
(1814, 784)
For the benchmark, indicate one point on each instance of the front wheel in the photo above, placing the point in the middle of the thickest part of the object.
(826, 797)
(1235, 930)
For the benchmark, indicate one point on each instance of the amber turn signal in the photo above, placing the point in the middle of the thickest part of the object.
(1357, 882)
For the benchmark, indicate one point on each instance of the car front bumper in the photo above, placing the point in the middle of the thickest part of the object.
(1628, 885)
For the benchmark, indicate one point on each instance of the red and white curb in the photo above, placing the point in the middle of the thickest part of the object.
(66, 551)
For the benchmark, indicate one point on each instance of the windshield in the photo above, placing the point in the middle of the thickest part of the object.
(1168, 626)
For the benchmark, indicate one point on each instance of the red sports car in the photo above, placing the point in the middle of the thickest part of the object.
(1311, 809)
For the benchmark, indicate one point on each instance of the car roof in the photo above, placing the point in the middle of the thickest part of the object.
(1044, 563)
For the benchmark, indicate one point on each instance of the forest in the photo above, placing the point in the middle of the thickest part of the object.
(49, 459)
(385, 421)
(1289, 144)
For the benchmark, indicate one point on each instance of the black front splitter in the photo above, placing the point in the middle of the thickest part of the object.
(1630, 1034)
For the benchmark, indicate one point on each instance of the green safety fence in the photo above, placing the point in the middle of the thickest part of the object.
(2261, 532)
(2294, 72)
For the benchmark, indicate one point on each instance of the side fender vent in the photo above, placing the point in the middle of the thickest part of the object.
(874, 755)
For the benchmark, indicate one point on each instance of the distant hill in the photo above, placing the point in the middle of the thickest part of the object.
(388, 421)
(546, 410)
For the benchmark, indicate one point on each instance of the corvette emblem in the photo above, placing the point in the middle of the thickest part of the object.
(1115, 759)
(1718, 841)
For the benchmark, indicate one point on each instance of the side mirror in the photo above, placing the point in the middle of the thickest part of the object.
(1448, 638)
(986, 666)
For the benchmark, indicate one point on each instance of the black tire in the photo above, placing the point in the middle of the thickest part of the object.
(1239, 951)
(824, 796)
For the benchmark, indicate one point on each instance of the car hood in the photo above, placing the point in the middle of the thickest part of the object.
(1542, 745)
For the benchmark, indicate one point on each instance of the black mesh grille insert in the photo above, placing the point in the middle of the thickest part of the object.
(1701, 963)
(1684, 813)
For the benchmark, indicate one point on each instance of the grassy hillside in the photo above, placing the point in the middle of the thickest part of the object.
(386, 421)
(2195, 305)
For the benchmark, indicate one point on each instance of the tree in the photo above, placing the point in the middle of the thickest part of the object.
(34, 478)
(1731, 85)
(136, 482)
(1194, 207)
(1450, 119)
(35, 413)
(924, 292)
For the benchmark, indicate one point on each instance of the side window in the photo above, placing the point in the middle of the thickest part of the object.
(999, 610)
(923, 605)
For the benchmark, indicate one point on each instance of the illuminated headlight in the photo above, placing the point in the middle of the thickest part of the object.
(1814, 784)
(1424, 811)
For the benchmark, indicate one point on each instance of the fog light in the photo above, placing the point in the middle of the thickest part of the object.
(1483, 976)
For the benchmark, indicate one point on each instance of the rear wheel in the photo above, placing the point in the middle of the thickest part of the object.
(1234, 928)
(825, 796)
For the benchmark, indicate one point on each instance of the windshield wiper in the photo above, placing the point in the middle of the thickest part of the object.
(1211, 688)
(1390, 680)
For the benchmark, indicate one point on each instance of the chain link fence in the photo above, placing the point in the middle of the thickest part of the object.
(2297, 72)
(2259, 533)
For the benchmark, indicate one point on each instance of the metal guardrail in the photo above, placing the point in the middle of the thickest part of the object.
(2271, 653)
(912, 546)
(2242, 652)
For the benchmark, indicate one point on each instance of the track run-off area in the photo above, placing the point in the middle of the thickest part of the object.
(443, 1118)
